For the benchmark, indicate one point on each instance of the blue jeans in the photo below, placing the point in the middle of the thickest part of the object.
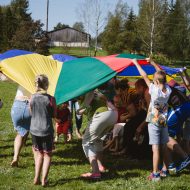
(74, 106)
(20, 114)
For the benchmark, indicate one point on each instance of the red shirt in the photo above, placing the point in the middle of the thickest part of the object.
(121, 111)
(63, 114)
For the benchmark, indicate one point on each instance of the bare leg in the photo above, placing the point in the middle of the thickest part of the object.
(174, 146)
(94, 164)
(78, 134)
(38, 157)
(156, 157)
(18, 143)
(99, 161)
(46, 166)
(69, 137)
(56, 138)
(187, 146)
(166, 157)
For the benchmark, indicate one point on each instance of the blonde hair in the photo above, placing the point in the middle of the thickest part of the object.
(41, 82)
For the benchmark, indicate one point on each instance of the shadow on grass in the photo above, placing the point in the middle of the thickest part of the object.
(105, 177)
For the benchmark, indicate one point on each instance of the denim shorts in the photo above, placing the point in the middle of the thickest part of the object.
(157, 135)
(20, 114)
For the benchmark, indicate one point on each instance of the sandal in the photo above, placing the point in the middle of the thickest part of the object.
(91, 176)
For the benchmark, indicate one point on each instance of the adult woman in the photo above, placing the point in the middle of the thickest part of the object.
(21, 120)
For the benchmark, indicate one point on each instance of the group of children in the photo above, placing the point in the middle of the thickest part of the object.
(122, 118)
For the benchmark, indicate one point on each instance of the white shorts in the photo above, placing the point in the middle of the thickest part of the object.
(157, 135)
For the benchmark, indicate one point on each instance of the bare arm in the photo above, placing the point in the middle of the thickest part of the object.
(54, 107)
(186, 79)
(142, 72)
(153, 64)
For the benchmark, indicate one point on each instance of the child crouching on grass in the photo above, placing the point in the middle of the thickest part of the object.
(64, 121)
(43, 109)
(156, 117)
(114, 144)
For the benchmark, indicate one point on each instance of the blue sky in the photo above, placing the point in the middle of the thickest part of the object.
(63, 11)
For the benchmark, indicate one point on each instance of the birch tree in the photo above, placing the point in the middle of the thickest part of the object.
(148, 23)
(93, 15)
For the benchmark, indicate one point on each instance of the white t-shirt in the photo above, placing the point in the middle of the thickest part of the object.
(22, 92)
(158, 108)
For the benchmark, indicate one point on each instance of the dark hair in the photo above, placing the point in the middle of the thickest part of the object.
(141, 82)
(134, 99)
(122, 84)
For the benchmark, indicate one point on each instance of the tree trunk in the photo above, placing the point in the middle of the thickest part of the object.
(152, 27)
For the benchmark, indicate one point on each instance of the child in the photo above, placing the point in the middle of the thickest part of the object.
(157, 115)
(114, 144)
(64, 117)
(43, 109)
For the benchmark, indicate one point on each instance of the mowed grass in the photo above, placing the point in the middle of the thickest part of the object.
(78, 52)
(69, 162)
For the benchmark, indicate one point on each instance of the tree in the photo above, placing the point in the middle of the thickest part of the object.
(79, 26)
(20, 10)
(113, 38)
(30, 36)
(92, 13)
(130, 38)
(60, 26)
(19, 30)
(1, 28)
(176, 44)
(149, 22)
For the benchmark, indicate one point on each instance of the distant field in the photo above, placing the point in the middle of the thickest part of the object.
(79, 52)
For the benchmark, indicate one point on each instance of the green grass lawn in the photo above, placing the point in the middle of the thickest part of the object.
(69, 162)
(79, 52)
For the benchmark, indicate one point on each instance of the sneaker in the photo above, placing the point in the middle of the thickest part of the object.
(172, 168)
(154, 177)
(91, 176)
(164, 173)
(183, 164)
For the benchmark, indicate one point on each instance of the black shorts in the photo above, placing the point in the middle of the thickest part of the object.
(43, 144)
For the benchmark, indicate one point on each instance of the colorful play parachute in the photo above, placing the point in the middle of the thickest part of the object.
(67, 80)
(149, 69)
(62, 57)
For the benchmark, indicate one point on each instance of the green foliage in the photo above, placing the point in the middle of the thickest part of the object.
(112, 37)
(79, 26)
(161, 59)
(161, 27)
(60, 26)
(176, 44)
(18, 30)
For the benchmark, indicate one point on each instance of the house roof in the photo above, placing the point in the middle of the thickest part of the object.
(68, 28)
